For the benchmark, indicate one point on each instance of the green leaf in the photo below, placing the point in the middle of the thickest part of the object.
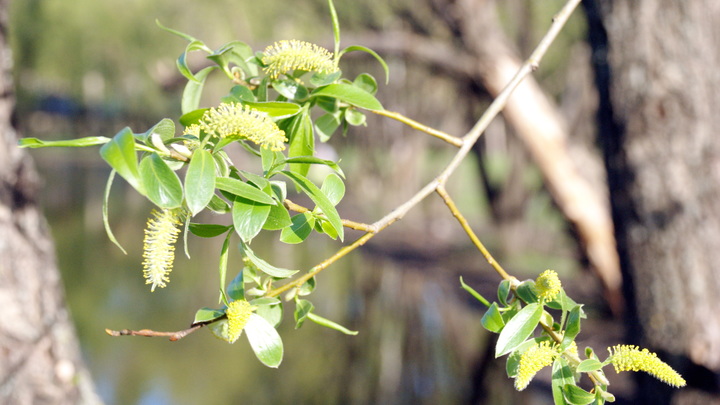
(162, 185)
(208, 230)
(513, 360)
(119, 153)
(105, 216)
(589, 365)
(69, 143)
(366, 82)
(475, 294)
(218, 205)
(301, 227)
(572, 328)
(576, 395)
(199, 181)
(504, 292)
(264, 266)
(355, 117)
(239, 94)
(259, 181)
(219, 328)
(269, 308)
(311, 160)
(244, 190)
(165, 130)
(302, 309)
(307, 287)
(333, 188)
(330, 324)
(236, 288)
(326, 125)
(264, 340)
(320, 199)
(174, 32)
(493, 320)
(279, 218)
(248, 217)
(371, 52)
(349, 94)
(302, 141)
(336, 27)
(276, 109)
(561, 376)
(207, 315)
(526, 291)
(290, 89)
(193, 90)
(192, 117)
(322, 79)
(518, 329)
(222, 265)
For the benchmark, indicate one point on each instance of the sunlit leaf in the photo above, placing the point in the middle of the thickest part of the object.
(207, 315)
(264, 340)
(518, 329)
(275, 109)
(299, 230)
(193, 90)
(248, 217)
(162, 185)
(492, 320)
(242, 189)
(330, 324)
(199, 181)
(349, 94)
(264, 266)
(72, 143)
(236, 288)
(302, 309)
(320, 199)
(561, 376)
(120, 154)
(371, 52)
(208, 230)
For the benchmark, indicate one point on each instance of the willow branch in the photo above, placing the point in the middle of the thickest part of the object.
(172, 336)
(468, 141)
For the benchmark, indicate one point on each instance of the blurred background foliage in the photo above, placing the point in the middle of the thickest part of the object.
(89, 67)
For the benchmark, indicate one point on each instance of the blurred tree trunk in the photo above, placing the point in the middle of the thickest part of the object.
(657, 72)
(39, 358)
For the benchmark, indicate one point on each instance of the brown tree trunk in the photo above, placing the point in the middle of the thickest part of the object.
(39, 358)
(659, 116)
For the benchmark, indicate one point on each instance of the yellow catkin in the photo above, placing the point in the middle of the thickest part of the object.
(238, 312)
(285, 56)
(632, 358)
(533, 360)
(548, 285)
(237, 121)
(159, 246)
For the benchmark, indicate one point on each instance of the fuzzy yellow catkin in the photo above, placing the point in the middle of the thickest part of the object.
(238, 121)
(548, 285)
(159, 246)
(238, 312)
(632, 358)
(533, 360)
(286, 56)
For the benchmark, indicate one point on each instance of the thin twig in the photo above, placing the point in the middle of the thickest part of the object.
(473, 237)
(172, 336)
(453, 140)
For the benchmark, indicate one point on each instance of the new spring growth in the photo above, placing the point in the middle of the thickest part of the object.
(548, 285)
(631, 358)
(238, 121)
(238, 312)
(285, 56)
(159, 246)
(533, 360)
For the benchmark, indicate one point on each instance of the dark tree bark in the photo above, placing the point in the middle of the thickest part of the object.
(39, 358)
(657, 72)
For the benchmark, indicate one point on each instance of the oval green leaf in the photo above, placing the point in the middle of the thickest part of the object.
(206, 315)
(264, 266)
(242, 189)
(349, 94)
(302, 309)
(492, 320)
(161, 184)
(264, 340)
(518, 329)
(320, 199)
(248, 217)
(275, 109)
(199, 181)
(330, 324)
(333, 188)
(300, 228)
(576, 395)
(119, 153)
